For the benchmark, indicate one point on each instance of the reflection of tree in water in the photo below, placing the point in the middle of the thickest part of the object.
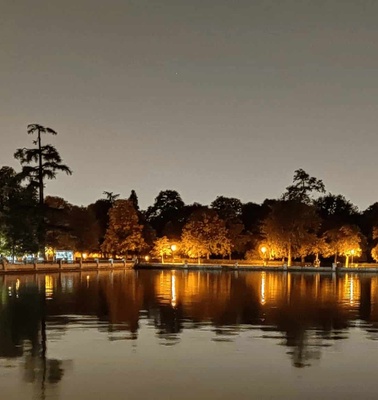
(309, 323)
(23, 334)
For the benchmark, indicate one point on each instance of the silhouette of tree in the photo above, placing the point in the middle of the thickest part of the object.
(111, 197)
(40, 163)
(168, 207)
(134, 199)
(303, 186)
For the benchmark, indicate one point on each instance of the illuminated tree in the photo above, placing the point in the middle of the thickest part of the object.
(303, 186)
(205, 234)
(345, 241)
(289, 227)
(162, 247)
(124, 233)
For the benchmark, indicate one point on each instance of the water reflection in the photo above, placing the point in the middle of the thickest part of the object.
(305, 313)
(23, 332)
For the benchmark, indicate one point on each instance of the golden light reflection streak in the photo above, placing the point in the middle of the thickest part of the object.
(351, 291)
(49, 285)
(262, 288)
(173, 291)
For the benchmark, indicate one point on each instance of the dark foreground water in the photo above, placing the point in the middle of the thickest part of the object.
(188, 335)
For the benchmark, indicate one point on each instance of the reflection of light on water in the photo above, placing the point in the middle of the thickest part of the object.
(351, 289)
(88, 281)
(173, 291)
(49, 284)
(262, 288)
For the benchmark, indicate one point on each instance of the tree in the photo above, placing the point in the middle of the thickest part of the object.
(228, 208)
(84, 230)
(205, 234)
(40, 163)
(100, 209)
(345, 241)
(335, 211)
(167, 208)
(110, 197)
(58, 221)
(134, 199)
(124, 233)
(46, 159)
(18, 221)
(303, 186)
(230, 211)
(162, 247)
(290, 226)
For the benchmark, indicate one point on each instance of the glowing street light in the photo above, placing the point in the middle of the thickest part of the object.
(173, 248)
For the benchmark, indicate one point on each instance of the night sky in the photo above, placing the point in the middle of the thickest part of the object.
(207, 97)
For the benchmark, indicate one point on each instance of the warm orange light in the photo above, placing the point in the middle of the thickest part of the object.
(147, 258)
(173, 247)
(85, 255)
(263, 249)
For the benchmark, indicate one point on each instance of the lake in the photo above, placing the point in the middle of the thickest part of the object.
(188, 335)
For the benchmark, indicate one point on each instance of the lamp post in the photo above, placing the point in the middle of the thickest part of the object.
(173, 248)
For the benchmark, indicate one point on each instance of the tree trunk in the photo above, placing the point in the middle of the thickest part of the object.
(289, 256)
(41, 230)
(346, 261)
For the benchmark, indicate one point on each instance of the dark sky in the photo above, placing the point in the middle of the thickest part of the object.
(206, 97)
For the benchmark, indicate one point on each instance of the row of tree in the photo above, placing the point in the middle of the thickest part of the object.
(305, 223)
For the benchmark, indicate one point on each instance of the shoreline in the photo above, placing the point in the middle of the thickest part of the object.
(113, 266)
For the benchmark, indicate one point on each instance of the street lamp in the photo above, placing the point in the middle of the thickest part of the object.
(173, 248)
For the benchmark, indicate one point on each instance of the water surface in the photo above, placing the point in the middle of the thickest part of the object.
(188, 335)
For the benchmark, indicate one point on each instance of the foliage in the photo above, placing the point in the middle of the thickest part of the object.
(110, 197)
(84, 229)
(345, 241)
(18, 217)
(134, 199)
(303, 186)
(167, 208)
(290, 227)
(38, 164)
(162, 247)
(205, 234)
(57, 219)
(335, 211)
(228, 208)
(41, 162)
(124, 233)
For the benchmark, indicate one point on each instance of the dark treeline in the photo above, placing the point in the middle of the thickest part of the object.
(306, 223)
